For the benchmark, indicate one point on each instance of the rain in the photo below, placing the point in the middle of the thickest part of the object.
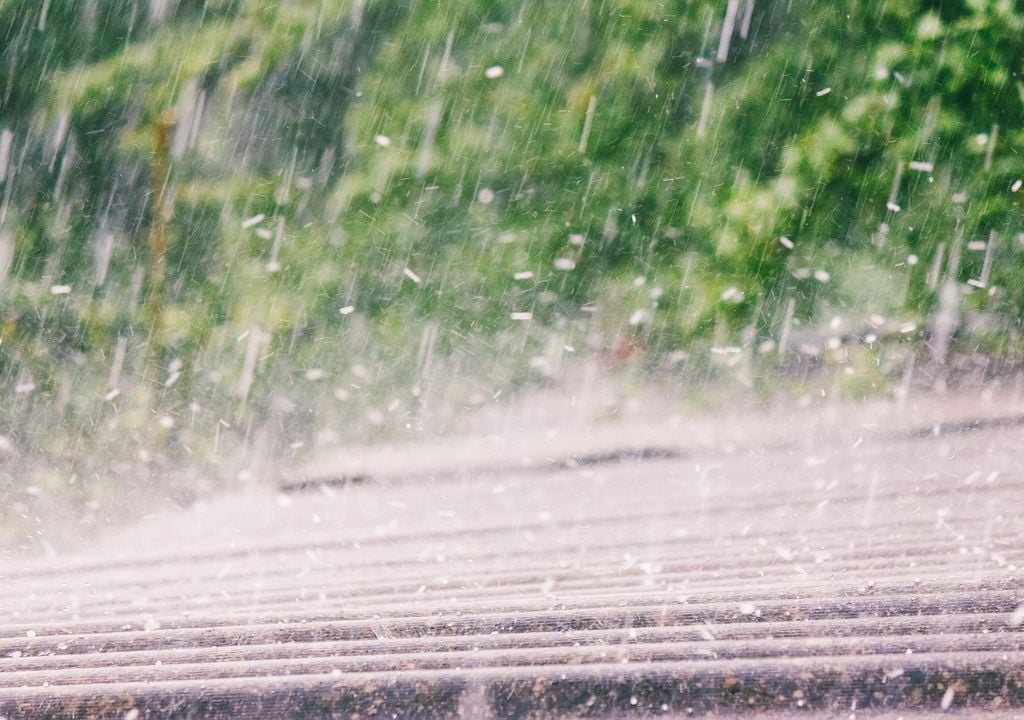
(512, 358)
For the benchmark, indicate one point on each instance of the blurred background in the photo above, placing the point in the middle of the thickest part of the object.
(235, 233)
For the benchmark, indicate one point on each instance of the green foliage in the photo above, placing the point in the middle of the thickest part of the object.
(441, 170)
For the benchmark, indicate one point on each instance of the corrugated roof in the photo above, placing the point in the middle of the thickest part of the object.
(856, 572)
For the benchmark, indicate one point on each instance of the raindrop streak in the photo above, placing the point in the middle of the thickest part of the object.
(114, 377)
(705, 110)
(990, 147)
(6, 141)
(727, 30)
(248, 373)
(427, 349)
(936, 268)
(787, 324)
(6, 255)
(990, 249)
(273, 265)
(431, 123)
(43, 13)
(748, 15)
(588, 124)
(894, 192)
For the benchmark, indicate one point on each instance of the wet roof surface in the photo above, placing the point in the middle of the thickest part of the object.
(869, 569)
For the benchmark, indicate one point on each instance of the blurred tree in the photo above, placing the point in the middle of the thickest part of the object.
(378, 193)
